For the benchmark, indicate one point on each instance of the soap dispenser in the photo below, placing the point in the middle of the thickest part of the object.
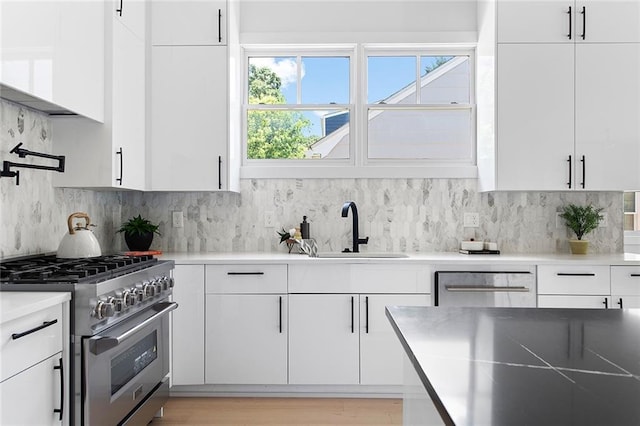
(304, 228)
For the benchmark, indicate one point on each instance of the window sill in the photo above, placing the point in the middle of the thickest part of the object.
(373, 172)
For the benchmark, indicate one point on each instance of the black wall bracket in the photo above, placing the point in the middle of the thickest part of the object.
(22, 153)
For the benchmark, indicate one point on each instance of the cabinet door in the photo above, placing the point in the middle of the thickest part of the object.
(188, 118)
(574, 279)
(246, 339)
(573, 301)
(195, 23)
(30, 397)
(535, 21)
(381, 353)
(187, 329)
(608, 21)
(128, 126)
(607, 111)
(535, 116)
(625, 301)
(323, 339)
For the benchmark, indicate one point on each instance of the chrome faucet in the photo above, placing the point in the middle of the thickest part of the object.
(356, 240)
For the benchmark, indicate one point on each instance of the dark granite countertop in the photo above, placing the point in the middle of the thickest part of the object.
(520, 366)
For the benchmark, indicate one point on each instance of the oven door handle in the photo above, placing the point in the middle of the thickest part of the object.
(103, 344)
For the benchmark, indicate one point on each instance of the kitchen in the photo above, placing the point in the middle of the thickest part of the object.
(399, 214)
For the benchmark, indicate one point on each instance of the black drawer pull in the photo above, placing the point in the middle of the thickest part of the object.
(45, 324)
(61, 409)
(634, 275)
(568, 274)
(245, 273)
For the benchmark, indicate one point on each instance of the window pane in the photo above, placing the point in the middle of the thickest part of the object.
(444, 80)
(273, 80)
(391, 79)
(629, 202)
(297, 134)
(325, 80)
(416, 134)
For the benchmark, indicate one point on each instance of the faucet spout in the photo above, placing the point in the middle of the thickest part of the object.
(354, 214)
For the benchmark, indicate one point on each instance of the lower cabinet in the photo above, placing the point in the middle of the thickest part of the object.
(574, 301)
(246, 340)
(187, 337)
(574, 286)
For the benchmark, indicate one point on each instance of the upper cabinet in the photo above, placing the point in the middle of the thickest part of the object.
(195, 23)
(189, 147)
(113, 154)
(45, 64)
(553, 112)
(593, 21)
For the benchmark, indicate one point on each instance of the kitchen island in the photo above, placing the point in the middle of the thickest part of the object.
(508, 366)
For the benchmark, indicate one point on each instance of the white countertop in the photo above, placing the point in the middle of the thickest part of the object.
(16, 304)
(441, 258)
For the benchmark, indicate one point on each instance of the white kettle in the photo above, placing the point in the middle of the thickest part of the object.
(80, 241)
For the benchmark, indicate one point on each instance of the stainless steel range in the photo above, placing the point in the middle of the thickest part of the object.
(119, 330)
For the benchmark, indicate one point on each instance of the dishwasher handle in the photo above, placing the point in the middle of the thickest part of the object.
(486, 289)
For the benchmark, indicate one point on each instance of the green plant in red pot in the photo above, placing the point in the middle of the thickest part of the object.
(581, 220)
(138, 233)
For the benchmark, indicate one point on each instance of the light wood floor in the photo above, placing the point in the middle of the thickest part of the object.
(280, 411)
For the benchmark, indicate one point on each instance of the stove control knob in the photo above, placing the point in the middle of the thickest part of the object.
(104, 309)
(125, 298)
(149, 290)
(118, 305)
(170, 282)
(137, 294)
(130, 297)
(164, 283)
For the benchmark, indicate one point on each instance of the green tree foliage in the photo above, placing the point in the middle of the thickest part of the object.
(440, 60)
(273, 134)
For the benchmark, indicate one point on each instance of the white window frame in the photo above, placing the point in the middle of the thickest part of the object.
(358, 165)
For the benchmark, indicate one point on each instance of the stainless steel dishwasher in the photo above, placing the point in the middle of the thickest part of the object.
(510, 288)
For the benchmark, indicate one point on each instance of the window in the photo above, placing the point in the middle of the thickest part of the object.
(358, 106)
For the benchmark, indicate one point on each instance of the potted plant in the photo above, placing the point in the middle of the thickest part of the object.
(581, 220)
(138, 233)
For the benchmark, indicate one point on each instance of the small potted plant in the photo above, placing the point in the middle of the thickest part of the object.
(581, 220)
(138, 233)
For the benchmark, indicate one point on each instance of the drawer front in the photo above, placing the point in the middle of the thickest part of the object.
(577, 302)
(360, 278)
(243, 279)
(20, 353)
(625, 280)
(574, 279)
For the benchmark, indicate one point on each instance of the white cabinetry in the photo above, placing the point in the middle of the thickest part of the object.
(625, 286)
(187, 329)
(34, 353)
(246, 324)
(111, 155)
(189, 124)
(574, 286)
(44, 59)
(558, 106)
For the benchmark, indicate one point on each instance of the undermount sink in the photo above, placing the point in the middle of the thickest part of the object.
(361, 255)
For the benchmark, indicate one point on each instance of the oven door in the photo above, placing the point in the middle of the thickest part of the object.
(125, 366)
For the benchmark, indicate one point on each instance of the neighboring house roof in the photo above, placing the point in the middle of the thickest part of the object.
(335, 144)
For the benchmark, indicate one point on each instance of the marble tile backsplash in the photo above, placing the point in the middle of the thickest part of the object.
(33, 215)
(406, 215)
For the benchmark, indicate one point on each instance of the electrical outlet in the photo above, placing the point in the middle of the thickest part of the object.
(605, 221)
(471, 220)
(177, 219)
(269, 219)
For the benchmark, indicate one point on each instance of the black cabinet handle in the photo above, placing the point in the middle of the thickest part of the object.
(570, 23)
(120, 10)
(584, 22)
(606, 303)
(620, 302)
(219, 171)
(584, 176)
(45, 324)
(280, 312)
(119, 152)
(634, 275)
(219, 25)
(352, 312)
(245, 273)
(568, 274)
(366, 314)
(61, 409)
(570, 167)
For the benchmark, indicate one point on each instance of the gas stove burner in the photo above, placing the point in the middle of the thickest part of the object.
(50, 269)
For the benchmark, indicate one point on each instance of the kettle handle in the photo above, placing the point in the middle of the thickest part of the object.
(79, 215)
